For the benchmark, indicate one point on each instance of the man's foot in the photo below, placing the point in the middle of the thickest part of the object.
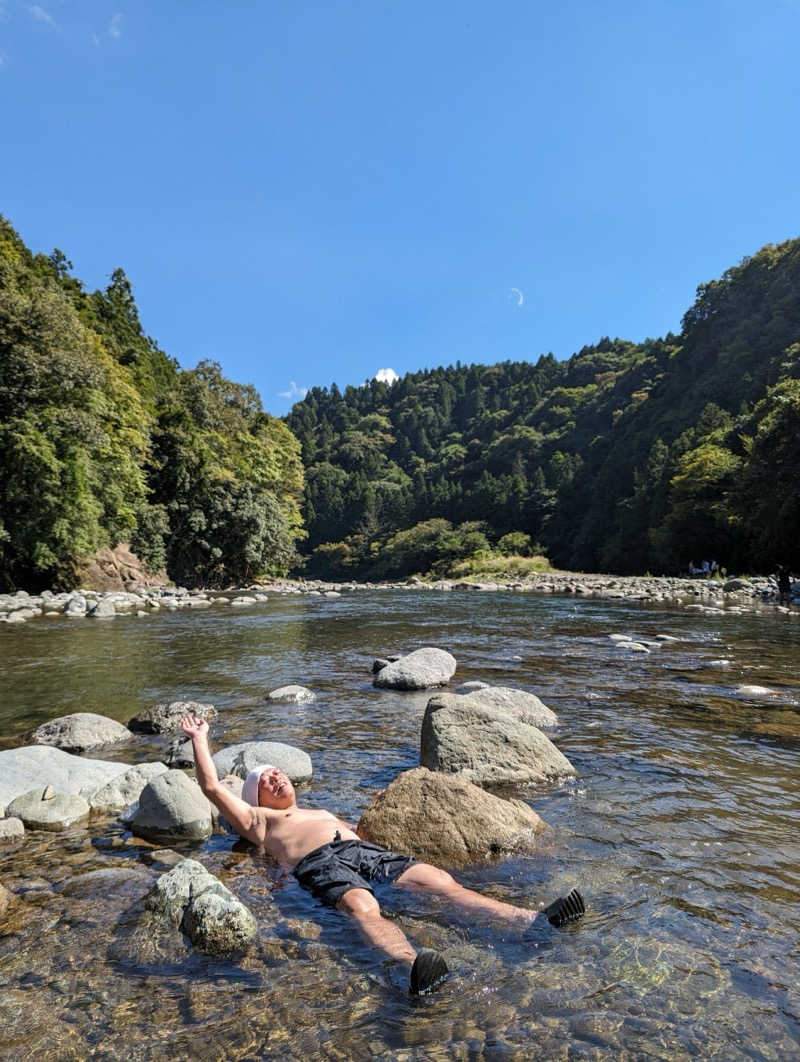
(428, 971)
(565, 909)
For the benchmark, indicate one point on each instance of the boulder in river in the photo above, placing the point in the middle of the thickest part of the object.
(199, 904)
(420, 670)
(26, 768)
(45, 809)
(172, 808)
(446, 820)
(180, 753)
(292, 695)
(486, 745)
(519, 704)
(165, 717)
(243, 758)
(121, 791)
(80, 732)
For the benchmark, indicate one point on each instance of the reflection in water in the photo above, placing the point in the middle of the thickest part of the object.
(682, 830)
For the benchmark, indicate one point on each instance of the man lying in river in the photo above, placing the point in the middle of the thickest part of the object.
(331, 862)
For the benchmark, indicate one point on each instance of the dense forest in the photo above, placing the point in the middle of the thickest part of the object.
(104, 439)
(627, 457)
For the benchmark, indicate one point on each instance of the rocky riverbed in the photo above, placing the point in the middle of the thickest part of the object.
(704, 594)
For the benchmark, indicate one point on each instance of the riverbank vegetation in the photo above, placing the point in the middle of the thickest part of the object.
(104, 439)
(626, 457)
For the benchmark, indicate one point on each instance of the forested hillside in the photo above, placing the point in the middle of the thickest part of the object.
(627, 457)
(103, 439)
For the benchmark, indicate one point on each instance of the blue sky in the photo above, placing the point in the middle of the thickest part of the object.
(312, 191)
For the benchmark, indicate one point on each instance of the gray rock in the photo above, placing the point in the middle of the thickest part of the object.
(76, 606)
(5, 900)
(243, 758)
(196, 902)
(518, 704)
(172, 807)
(485, 745)
(121, 791)
(632, 647)
(445, 820)
(165, 717)
(420, 670)
(26, 768)
(11, 829)
(42, 809)
(80, 732)
(468, 687)
(292, 695)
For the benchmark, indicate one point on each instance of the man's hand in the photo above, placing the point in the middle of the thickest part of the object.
(194, 727)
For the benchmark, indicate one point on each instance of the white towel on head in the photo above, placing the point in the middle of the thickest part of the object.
(250, 787)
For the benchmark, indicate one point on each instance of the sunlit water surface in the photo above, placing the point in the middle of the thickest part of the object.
(682, 830)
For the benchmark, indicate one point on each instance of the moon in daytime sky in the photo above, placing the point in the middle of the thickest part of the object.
(515, 297)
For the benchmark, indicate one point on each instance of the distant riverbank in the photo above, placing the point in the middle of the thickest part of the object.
(743, 594)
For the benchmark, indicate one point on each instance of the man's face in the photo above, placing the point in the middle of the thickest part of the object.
(275, 789)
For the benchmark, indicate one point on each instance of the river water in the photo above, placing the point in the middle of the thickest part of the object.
(682, 831)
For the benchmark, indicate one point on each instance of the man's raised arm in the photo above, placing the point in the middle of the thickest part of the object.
(239, 814)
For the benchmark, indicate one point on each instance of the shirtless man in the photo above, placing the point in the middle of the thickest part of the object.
(331, 862)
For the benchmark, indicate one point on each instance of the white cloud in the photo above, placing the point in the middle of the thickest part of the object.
(294, 392)
(115, 26)
(41, 15)
(515, 297)
(388, 376)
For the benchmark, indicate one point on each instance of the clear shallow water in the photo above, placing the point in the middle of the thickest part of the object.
(682, 830)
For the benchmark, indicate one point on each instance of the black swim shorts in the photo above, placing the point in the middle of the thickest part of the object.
(328, 872)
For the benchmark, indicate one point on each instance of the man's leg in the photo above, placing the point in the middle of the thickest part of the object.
(378, 931)
(423, 877)
(427, 967)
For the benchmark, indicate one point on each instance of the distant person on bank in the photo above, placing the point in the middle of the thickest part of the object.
(331, 862)
(784, 578)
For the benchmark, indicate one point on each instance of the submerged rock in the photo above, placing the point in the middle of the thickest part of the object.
(195, 901)
(171, 808)
(80, 732)
(420, 670)
(292, 695)
(486, 745)
(446, 820)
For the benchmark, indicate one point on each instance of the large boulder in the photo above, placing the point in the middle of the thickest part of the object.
(420, 670)
(172, 808)
(121, 791)
(80, 732)
(525, 707)
(45, 809)
(446, 820)
(242, 759)
(39, 765)
(194, 900)
(165, 718)
(485, 745)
